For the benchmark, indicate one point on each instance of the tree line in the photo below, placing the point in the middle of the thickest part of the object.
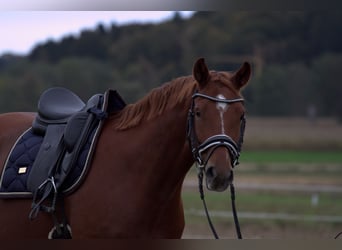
(296, 58)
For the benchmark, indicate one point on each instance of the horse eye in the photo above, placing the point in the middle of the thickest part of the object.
(198, 113)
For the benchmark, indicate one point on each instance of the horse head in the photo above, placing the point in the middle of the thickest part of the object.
(216, 122)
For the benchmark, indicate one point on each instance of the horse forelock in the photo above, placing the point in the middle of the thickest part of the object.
(155, 103)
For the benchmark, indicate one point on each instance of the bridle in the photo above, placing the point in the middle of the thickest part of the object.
(215, 141)
(212, 143)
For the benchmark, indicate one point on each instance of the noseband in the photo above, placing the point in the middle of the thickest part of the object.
(215, 141)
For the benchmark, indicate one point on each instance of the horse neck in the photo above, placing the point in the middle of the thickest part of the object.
(159, 124)
(150, 162)
(170, 159)
(169, 135)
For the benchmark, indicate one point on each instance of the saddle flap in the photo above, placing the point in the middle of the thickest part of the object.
(73, 129)
(47, 157)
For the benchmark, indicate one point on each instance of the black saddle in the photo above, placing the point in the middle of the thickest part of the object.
(59, 103)
(66, 123)
(50, 160)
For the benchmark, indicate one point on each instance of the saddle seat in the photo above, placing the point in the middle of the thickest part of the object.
(59, 103)
(56, 106)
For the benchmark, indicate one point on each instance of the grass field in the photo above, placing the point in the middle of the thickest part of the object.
(289, 184)
(266, 215)
(288, 156)
(276, 202)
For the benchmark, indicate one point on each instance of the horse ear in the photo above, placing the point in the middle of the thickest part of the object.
(201, 72)
(241, 76)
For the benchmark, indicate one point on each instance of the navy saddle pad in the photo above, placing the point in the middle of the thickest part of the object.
(20, 160)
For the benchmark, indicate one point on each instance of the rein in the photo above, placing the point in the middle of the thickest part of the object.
(213, 142)
(232, 196)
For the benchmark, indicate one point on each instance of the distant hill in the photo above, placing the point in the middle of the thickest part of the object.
(295, 55)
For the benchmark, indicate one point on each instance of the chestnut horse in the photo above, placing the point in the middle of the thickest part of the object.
(133, 187)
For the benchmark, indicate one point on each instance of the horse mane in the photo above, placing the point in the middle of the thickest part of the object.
(155, 103)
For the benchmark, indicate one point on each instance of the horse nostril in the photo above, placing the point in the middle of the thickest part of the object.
(211, 172)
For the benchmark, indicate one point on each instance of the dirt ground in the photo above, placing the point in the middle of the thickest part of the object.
(198, 228)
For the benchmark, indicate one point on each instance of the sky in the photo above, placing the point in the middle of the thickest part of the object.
(21, 31)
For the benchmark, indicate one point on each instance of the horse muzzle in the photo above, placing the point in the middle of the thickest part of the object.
(217, 181)
(218, 175)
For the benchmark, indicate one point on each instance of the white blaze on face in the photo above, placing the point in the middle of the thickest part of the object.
(222, 108)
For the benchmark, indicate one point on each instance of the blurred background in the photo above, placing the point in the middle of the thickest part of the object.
(289, 182)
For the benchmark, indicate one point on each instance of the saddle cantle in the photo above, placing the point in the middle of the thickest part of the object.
(58, 103)
(53, 155)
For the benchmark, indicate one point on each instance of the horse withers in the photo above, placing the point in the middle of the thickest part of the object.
(133, 186)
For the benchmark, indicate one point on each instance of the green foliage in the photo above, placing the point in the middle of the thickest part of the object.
(283, 90)
(326, 69)
(295, 56)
